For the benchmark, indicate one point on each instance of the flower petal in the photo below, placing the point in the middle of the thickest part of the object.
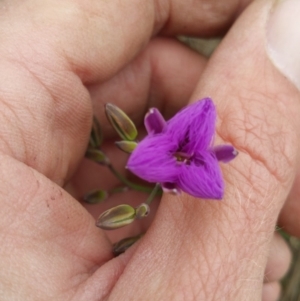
(225, 153)
(154, 122)
(202, 178)
(153, 159)
(194, 126)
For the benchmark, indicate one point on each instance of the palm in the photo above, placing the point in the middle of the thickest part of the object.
(62, 242)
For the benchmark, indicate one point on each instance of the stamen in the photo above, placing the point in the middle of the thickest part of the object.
(182, 157)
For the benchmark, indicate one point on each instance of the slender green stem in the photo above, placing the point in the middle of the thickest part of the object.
(153, 194)
(127, 182)
(284, 234)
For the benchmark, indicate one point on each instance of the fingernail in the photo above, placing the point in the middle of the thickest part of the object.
(283, 38)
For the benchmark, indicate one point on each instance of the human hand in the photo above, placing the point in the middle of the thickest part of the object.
(62, 60)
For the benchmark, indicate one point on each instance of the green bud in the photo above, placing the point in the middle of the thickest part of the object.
(121, 122)
(116, 217)
(95, 197)
(122, 245)
(126, 146)
(97, 156)
(142, 211)
(96, 136)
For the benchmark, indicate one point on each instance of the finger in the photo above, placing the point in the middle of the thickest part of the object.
(54, 242)
(75, 44)
(271, 291)
(163, 76)
(85, 22)
(279, 259)
(205, 18)
(218, 246)
(283, 50)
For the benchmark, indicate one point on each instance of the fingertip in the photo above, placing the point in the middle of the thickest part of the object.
(279, 259)
(271, 291)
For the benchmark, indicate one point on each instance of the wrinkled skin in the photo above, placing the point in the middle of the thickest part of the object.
(60, 62)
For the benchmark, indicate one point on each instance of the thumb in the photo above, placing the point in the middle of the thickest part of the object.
(283, 40)
(209, 250)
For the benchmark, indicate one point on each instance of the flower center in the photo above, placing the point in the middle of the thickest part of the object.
(183, 158)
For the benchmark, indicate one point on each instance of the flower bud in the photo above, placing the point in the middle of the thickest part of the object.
(121, 122)
(142, 211)
(96, 136)
(122, 245)
(126, 146)
(95, 197)
(97, 156)
(154, 122)
(116, 217)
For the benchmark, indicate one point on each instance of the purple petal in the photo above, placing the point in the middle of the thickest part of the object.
(225, 153)
(153, 160)
(154, 122)
(202, 178)
(194, 126)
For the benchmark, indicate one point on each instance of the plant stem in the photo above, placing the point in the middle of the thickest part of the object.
(127, 182)
(153, 194)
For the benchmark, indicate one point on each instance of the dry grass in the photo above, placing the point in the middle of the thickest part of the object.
(291, 283)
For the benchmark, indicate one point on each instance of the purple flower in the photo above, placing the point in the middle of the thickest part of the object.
(179, 153)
